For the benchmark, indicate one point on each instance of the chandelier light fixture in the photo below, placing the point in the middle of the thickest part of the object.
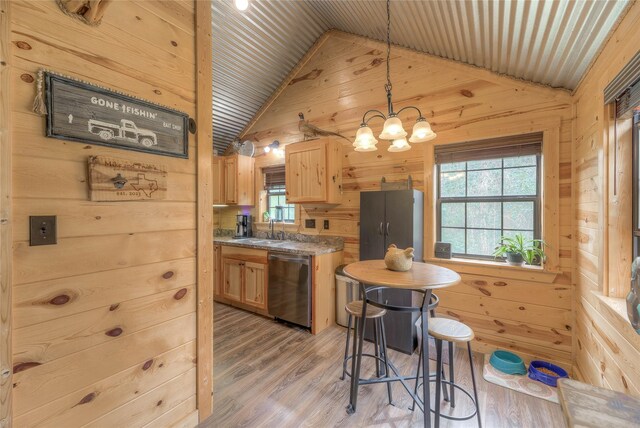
(392, 130)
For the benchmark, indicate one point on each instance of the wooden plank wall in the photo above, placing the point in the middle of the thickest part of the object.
(607, 348)
(104, 321)
(6, 220)
(345, 77)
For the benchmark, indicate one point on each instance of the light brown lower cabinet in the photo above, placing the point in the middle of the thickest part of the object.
(241, 278)
(255, 284)
(242, 281)
(232, 274)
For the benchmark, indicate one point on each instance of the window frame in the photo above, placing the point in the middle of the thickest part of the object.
(291, 207)
(537, 205)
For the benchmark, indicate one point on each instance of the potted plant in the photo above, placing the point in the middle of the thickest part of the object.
(519, 249)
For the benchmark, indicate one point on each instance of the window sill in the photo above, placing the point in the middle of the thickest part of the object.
(490, 268)
(618, 305)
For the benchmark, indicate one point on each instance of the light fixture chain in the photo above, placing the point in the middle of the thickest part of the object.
(388, 44)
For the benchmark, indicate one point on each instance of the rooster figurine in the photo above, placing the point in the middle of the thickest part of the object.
(311, 131)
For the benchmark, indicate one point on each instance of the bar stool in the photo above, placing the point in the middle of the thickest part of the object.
(354, 309)
(452, 331)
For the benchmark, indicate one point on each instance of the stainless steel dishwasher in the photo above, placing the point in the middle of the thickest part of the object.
(289, 291)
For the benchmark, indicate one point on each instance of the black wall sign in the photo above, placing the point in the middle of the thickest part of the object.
(81, 112)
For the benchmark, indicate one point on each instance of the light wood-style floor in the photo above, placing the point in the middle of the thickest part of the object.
(270, 375)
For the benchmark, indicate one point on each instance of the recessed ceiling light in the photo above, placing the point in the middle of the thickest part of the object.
(241, 4)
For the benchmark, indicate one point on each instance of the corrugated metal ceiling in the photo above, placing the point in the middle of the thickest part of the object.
(552, 42)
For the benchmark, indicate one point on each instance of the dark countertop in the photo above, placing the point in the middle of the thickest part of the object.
(291, 247)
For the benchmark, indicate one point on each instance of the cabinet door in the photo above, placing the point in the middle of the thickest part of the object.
(306, 172)
(217, 274)
(245, 180)
(399, 218)
(217, 167)
(255, 284)
(372, 225)
(230, 182)
(232, 279)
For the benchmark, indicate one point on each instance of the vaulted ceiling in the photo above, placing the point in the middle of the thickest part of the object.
(550, 42)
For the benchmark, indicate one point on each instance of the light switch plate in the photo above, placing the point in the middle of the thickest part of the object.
(326, 224)
(42, 230)
(443, 250)
(310, 223)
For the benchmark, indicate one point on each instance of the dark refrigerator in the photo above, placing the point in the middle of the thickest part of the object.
(393, 217)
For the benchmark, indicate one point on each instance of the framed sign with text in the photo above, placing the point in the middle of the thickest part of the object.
(78, 111)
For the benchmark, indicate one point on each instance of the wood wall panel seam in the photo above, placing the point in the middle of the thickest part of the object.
(295, 70)
(506, 80)
(47, 341)
(204, 108)
(91, 367)
(171, 393)
(115, 390)
(6, 218)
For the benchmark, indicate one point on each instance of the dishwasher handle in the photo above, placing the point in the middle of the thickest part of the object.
(289, 258)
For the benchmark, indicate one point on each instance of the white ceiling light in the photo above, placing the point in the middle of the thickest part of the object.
(399, 145)
(365, 141)
(241, 4)
(392, 129)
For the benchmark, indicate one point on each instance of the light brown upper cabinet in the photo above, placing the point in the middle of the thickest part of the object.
(232, 180)
(217, 168)
(314, 172)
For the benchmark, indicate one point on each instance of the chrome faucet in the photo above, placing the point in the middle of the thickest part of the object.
(282, 234)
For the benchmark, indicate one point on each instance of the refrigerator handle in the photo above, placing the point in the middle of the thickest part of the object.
(387, 232)
(381, 229)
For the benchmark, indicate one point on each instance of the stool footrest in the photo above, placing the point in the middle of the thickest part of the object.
(458, 387)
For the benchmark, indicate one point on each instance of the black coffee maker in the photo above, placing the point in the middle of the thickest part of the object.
(243, 226)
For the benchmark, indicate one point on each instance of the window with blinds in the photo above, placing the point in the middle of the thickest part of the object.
(274, 186)
(488, 189)
(628, 101)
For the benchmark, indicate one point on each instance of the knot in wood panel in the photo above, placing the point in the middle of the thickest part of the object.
(115, 332)
(23, 45)
(25, 366)
(87, 398)
(60, 300)
(180, 294)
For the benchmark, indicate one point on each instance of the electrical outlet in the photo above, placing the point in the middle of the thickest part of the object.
(42, 230)
(310, 223)
(326, 224)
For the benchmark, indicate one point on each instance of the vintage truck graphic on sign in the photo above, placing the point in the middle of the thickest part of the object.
(127, 131)
(81, 112)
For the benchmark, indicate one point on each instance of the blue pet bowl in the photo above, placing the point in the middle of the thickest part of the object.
(508, 362)
(536, 374)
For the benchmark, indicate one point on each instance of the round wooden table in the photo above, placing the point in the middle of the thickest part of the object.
(421, 277)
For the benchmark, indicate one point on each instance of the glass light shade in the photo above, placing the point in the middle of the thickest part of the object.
(267, 149)
(422, 132)
(365, 148)
(393, 129)
(399, 145)
(365, 141)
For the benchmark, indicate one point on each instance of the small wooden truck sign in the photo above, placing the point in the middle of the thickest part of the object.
(81, 112)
